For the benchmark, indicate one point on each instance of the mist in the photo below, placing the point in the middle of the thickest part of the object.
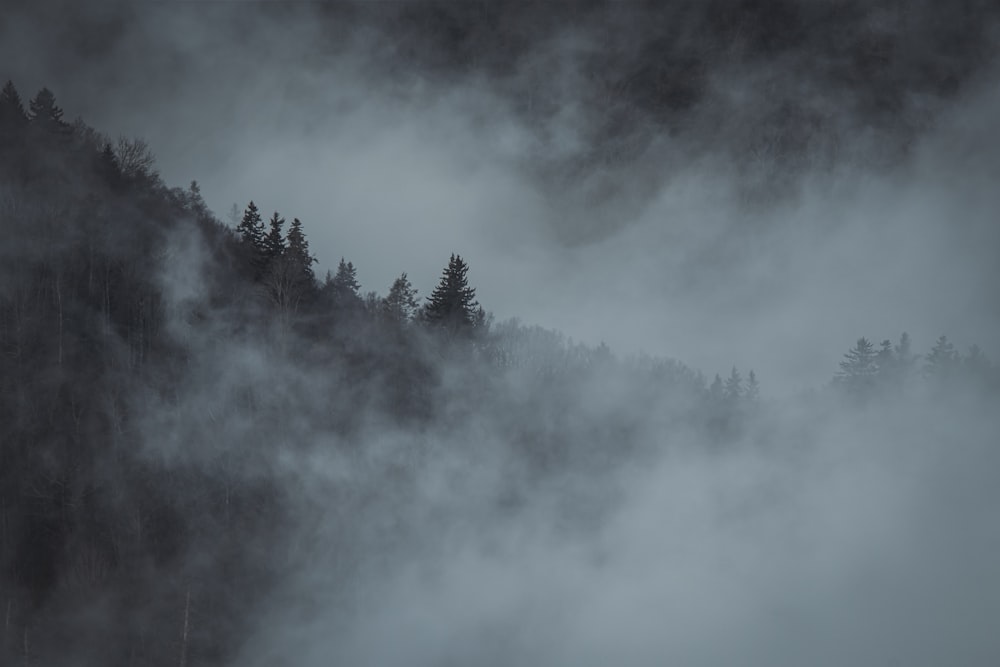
(734, 186)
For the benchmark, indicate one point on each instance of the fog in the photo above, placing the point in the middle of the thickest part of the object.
(823, 535)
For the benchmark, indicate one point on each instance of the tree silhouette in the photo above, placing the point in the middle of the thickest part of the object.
(859, 367)
(273, 244)
(44, 112)
(298, 251)
(12, 113)
(400, 305)
(942, 361)
(452, 305)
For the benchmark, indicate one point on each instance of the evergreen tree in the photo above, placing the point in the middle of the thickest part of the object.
(344, 288)
(400, 305)
(734, 386)
(716, 390)
(752, 393)
(44, 112)
(12, 113)
(251, 228)
(274, 243)
(251, 231)
(942, 361)
(884, 358)
(298, 251)
(858, 369)
(452, 305)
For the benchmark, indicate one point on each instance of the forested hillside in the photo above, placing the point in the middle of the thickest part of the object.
(170, 387)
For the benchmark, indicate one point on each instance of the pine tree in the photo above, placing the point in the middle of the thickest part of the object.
(942, 361)
(251, 231)
(858, 369)
(716, 391)
(298, 251)
(44, 112)
(344, 288)
(400, 305)
(12, 113)
(752, 392)
(273, 245)
(251, 228)
(452, 305)
(107, 166)
(734, 385)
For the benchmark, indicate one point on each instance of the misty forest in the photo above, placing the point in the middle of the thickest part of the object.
(540, 333)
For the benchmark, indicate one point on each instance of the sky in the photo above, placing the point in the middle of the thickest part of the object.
(394, 165)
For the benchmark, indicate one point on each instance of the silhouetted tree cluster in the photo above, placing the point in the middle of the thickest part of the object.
(866, 372)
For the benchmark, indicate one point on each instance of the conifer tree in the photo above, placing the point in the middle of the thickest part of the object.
(251, 228)
(107, 166)
(859, 367)
(12, 113)
(400, 305)
(344, 288)
(752, 392)
(734, 385)
(44, 112)
(273, 245)
(251, 231)
(942, 360)
(452, 305)
(716, 390)
(298, 251)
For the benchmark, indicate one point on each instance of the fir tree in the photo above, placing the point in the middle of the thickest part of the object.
(44, 112)
(942, 361)
(107, 166)
(734, 385)
(400, 305)
(752, 392)
(716, 390)
(251, 231)
(344, 288)
(298, 251)
(452, 305)
(12, 113)
(273, 245)
(858, 369)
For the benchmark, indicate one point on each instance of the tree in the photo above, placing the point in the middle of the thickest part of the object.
(44, 112)
(298, 251)
(344, 288)
(858, 369)
(716, 391)
(942, 361)
(107, 166)
(251, 231)
(734, 386)
(752, 392)
(135, 159)
(273, 245)
(400, 305)
(288, 277)
(452, 305)
(12, 113)
(251, 228)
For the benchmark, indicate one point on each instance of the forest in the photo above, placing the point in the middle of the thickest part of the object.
(210, 454)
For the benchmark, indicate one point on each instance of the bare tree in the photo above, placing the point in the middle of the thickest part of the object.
(135, 158)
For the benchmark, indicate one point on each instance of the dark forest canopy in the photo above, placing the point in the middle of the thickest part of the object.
(157, 365)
